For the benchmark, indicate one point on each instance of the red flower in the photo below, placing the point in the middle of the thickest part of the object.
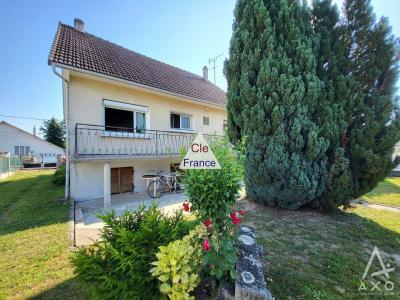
(241, 212)
(236, 221)
(235, 218)
(206, 245)
(207, 223)
(185, 206)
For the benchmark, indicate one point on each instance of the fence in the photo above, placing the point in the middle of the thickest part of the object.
(8, 165)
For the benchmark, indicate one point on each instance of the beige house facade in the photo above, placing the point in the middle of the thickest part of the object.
(127, 115)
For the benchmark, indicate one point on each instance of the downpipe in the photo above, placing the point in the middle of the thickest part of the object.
(67, 133)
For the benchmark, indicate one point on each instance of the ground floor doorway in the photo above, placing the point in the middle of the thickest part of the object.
(122, 180)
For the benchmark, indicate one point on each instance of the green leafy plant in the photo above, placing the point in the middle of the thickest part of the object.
(59, 176)
(178, 265)
(221, 259)
(118, 266)
(212, 193)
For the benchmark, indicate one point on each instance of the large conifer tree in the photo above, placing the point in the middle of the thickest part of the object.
(313, 95)
(273, 92)
(357, 60)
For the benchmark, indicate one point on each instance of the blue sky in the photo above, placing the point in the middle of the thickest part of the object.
(182, 33)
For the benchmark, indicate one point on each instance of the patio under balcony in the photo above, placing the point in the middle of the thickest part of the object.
(88, 225)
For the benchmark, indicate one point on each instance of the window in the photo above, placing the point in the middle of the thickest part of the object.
(118, 120)
(225, 125)
(119, 116)
(206, 121)
(182, 122)
(140, 121)
(21, 150)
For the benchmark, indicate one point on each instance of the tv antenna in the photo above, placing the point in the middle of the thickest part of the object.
(211, 61)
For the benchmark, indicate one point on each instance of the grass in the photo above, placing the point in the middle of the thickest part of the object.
(307, 254)
(387, 192)
(315, 255)
(34, 245)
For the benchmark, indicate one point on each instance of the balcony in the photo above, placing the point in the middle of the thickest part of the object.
(100, 142)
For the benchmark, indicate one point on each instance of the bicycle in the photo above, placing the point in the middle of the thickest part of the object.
(164, 183)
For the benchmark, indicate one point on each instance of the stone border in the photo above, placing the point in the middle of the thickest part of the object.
(250, 283)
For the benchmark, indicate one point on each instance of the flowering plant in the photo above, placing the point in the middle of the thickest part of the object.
(212, 193)
(185, 206)
(219, 259)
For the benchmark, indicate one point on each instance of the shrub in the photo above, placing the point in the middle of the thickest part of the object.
(118, 267)
(219, 260)
(178, 265)
(59, 176)
(213, 192)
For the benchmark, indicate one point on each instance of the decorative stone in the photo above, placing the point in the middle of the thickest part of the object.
(245, 229)
(250, 284)
(246, 239)
(248, 277)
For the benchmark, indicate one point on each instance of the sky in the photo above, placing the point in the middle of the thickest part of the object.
(182, 33)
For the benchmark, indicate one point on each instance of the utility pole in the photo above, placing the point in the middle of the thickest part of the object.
(212, 61)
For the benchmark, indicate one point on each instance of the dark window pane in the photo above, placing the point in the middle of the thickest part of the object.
(118, 118)
(175, 121)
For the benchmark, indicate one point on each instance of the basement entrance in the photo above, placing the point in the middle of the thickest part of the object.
(121, 180)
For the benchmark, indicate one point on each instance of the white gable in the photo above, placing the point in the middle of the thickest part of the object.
(11, 136)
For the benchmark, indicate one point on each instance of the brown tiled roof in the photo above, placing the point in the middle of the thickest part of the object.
(88, 52)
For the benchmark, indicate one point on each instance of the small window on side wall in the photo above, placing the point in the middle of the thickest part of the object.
(182, 122)
(206, 121)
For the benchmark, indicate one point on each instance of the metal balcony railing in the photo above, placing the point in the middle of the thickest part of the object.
(93, 141)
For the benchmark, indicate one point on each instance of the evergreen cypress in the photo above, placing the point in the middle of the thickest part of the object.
(358, 64)
(312, 93)
(273, 92)
(373, 126)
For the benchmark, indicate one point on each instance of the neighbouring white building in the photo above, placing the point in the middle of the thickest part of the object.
(126, 114)
(18, 142)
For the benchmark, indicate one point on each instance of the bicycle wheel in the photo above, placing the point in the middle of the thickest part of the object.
(156, 189)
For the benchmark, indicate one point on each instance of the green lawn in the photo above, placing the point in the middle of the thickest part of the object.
(307, 254)
(315, 255)
(387, 192)
(34, 246)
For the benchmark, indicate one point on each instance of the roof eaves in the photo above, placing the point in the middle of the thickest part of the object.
(138, 85)
(53, 45)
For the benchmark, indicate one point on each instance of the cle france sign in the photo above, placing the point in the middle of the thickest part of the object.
(199, 156)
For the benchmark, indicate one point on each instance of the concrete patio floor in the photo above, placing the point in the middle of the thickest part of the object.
(88, 226)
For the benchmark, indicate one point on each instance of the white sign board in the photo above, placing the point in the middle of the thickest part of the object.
(199, 156)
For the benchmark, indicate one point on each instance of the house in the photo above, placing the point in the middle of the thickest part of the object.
(26, 145)
(127, 115)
